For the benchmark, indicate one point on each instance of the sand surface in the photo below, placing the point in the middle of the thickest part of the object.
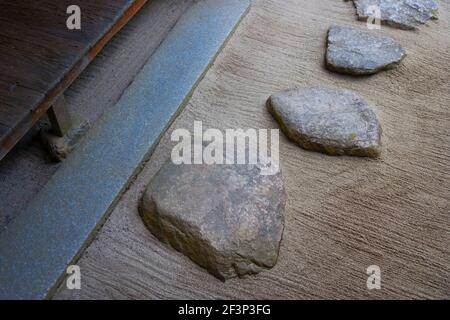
(343, 214)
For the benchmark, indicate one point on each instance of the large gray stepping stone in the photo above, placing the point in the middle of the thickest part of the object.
(332, 121)
(228, 219)
(358, 52)
(403, 14)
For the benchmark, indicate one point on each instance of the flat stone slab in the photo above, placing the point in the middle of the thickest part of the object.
(356, 52)
(403, 14)
(332, 121)
(228, 219)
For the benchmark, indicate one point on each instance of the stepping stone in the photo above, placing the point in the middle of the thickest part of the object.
(332, 121)
(403, 14)
(228, 219)
(358, 52)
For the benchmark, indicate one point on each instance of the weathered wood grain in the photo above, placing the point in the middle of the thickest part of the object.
(343, 214)
(40, 57)
(3, 129)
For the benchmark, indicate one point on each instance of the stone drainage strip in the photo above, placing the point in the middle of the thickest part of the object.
(59, 223)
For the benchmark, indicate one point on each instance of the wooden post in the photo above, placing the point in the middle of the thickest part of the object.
(59, 117)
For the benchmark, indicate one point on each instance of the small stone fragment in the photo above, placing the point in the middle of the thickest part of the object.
(228, 219)
(332, 121)
(59, 148)
(403, 14)
(358, 52)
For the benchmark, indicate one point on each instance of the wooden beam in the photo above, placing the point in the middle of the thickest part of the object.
(13, 135)
(59, 117)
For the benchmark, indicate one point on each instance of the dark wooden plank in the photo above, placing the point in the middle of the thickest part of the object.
(40, 57)
(3, 129)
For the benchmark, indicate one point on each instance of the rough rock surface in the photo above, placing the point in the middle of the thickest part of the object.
(59, 148)
(403, 14)
(332, 121)
(358, 52)
(228, 219)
